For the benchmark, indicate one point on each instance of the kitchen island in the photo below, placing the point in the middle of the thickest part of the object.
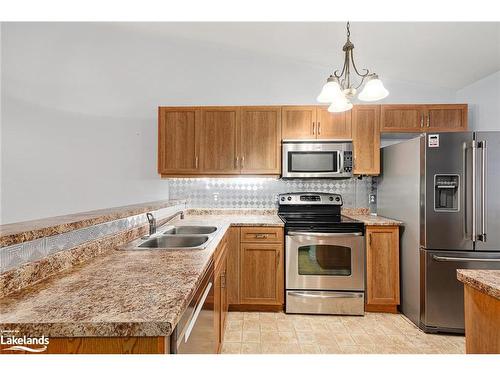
(482, 310)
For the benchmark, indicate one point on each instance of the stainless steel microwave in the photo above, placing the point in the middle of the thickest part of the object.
(317, 158)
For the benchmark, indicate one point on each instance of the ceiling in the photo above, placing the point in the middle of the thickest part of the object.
(444, 54)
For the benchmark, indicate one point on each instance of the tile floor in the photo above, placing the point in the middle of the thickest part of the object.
(279, 333)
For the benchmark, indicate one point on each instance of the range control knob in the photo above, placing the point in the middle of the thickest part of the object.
(282, 198)
(337, 199)
(289, 198)
(330, 198)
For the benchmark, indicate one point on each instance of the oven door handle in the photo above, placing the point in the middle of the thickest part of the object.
(315, 234)
(337, 295)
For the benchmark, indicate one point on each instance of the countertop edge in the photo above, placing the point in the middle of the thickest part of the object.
(466, 276)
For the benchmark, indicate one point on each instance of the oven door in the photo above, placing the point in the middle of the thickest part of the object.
(325, 261)
(313, 160)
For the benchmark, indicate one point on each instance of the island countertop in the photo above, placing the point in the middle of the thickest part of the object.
(486, 281)
(122, 293)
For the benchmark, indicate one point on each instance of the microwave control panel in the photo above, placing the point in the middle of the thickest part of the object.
(347, 161)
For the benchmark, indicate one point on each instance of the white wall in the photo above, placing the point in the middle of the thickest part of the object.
(79, 108)
(483, 98)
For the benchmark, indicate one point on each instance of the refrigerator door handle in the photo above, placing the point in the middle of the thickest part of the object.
(474, 178)
(466, 212)
(482, 235)
(457, 259)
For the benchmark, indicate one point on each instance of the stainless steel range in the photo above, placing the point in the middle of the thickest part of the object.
(324, 255)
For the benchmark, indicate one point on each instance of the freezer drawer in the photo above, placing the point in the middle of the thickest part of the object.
(442, 296)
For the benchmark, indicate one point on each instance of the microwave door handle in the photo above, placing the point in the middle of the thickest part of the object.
(340, 162)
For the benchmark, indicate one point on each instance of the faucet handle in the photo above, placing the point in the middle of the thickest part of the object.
(151, 218)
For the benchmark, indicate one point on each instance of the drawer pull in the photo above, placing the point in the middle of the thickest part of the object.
(261, 235)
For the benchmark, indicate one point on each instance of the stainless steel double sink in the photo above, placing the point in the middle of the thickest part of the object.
(189, 237)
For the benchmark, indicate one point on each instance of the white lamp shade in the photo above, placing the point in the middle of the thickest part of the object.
(340, 106)
(373, 90)
(331, 91)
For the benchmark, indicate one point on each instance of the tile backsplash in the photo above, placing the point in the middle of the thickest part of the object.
(261, 192)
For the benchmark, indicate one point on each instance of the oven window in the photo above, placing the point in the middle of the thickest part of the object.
(333, 260)
(306, 161)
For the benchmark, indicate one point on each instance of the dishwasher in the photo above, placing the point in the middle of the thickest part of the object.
(195, 333)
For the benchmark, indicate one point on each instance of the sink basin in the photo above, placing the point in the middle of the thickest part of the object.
(165, 242)
(190, 229)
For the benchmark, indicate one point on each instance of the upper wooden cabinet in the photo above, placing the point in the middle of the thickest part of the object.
(333, 125)
(196, 141)
(298, 122)
(178, 133)
(419, 118)
(260, 140)
(314, 122)
(219, 140)
(446, 117)
(366, 139)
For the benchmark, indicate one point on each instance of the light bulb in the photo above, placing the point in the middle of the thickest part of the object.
(331, 91)
(373, 90)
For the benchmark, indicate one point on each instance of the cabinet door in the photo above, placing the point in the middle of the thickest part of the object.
(224, 299)
(333, 125)
(260, 140)
(261, 280)
(217, 309)
(446, 117)
(366, 139)
(233, 266)
(298, 122)
(382, 265)
(177, 140)
(402, 118)
(219, 140)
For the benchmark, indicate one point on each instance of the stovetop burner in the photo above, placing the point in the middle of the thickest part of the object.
(315, 212)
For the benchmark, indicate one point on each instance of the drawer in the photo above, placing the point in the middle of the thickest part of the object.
(261, 234)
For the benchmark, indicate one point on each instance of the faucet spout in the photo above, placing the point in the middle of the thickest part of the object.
(152, 223)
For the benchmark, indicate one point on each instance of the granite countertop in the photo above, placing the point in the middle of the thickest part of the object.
(486, 281)
(123, 293)
(368, 219)
(14, 233)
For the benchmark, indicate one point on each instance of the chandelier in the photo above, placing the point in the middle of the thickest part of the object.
(339, 88)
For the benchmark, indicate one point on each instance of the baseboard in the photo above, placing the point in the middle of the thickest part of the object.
(393, 309)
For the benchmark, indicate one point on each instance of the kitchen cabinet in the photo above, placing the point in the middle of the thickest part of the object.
(233, 266)
(333, 125)
(366, 139)
(315, 122)
(178, 133)
(298, 122)
(382, 268)
(418, 118)
(219, 140)
(220, 291)
(261, 267)
(260, 140)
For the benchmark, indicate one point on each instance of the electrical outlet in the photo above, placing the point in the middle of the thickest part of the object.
(372, 198)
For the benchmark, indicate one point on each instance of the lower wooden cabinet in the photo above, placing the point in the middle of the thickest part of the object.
(220, 292)
(255, 272)
(382, 268)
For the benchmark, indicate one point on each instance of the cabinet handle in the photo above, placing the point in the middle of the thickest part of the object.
(370, 239)
(428, 120)
(223, 280)
(261, 235)
(196, 162)
(421, 120)
(242, 162)
(236, 162)
(314, 129)
(278, 258)
(319, 128)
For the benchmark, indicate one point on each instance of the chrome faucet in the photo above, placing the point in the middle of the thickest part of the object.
(152, 223)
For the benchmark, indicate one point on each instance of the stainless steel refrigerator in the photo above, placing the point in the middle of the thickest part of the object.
(446, 189)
